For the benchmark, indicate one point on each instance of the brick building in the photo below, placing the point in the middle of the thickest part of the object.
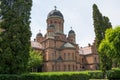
(60, 51)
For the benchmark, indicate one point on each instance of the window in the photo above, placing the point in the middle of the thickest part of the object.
(68, 56)
(51, 22)
(82, 60)
(58, 67)
(95, 59)
(68, 67)
(64, 67)
(55, 22)
(64, 56)
(53, 67)
(72, 56)
(53, 56)
(73, 67)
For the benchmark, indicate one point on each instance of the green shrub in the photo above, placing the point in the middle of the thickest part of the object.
(113, 74)
(95, 74)
(48, 76)
(9, 77)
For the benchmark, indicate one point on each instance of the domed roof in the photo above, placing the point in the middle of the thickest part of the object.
(39, 34)
(71, 32)
(55, 13)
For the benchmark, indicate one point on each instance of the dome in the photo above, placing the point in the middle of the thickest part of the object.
(39, 34)
(71, 32)
(55, 13)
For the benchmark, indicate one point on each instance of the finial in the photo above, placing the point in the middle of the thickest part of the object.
(71, 28)
(55, 7)
(39, 31)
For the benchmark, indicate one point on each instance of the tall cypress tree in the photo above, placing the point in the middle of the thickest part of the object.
(15, 42)
(101, 24)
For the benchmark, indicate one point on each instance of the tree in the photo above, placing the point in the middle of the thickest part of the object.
(101, 24)
(104, 49)
(111, 44)
(35, 59)
(15, 42)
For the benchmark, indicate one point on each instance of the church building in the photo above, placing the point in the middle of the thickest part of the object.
(60, 51)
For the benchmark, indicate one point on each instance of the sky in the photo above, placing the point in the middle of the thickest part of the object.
(77, 14)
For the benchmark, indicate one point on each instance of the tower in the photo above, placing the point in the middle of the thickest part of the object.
(55, 22)
(71, 36)
(39, 37)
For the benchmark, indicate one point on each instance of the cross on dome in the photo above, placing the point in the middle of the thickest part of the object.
(39, 31)
(55, 7)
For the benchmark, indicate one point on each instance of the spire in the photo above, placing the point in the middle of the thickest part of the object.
(71, 31)
(39, 31)
(71, 28)
(55, 7)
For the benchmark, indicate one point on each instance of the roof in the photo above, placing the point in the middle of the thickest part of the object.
(55, 13)
(85, 50)
(36, 45)
(67, 45)
(71, 32)
(39, 34)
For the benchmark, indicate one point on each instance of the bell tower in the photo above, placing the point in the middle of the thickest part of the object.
(55, 23)
(72, 36)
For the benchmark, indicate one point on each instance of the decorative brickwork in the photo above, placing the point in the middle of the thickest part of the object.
(61, 53)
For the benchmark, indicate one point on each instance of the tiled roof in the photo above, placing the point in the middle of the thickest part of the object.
(68, 45)
(37, 45)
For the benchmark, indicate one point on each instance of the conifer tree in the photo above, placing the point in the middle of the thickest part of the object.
(101, 24)
(15, 42)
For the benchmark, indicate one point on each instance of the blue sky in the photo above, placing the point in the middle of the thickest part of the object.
(77, 14)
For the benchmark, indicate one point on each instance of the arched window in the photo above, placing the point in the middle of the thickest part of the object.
(68, 56)
(58, 67)
(68, 67)
(55, 22)
(51, 22)
(82, 60)
(64, 56)
(73, 55)
(53, 56)
(73, 67)
(64, 67)
(95, 59)
(53, 68)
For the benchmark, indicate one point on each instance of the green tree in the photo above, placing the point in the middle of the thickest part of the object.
(101, 24)
(111, 44)
(15, 42)
(35, 59)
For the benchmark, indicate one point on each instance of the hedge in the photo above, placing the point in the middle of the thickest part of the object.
(82, 75)
(96, 74)
(114, 74)
(47, 76)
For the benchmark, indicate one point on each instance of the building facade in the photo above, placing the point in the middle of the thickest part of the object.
(60, 51)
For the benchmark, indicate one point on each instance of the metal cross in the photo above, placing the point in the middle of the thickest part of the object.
(39, 31)
(55, 7)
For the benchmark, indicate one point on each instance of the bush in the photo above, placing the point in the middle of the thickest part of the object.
(9, 77)
(48, 76)
(113, 74)
(95, 74)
